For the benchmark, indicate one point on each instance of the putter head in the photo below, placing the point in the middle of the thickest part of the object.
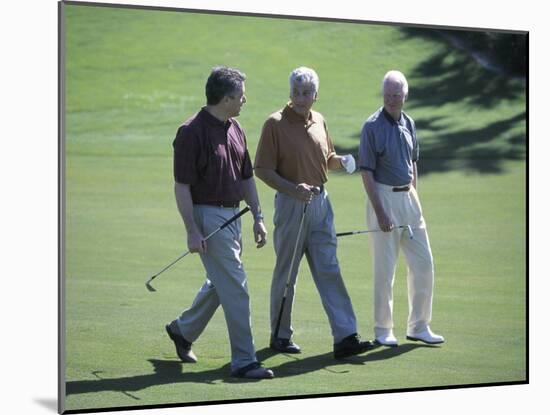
(150, 287)
(409, 230)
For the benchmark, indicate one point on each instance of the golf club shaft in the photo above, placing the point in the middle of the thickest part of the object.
(228, 222)
(278, 325)
(169, 265)
(366, 231)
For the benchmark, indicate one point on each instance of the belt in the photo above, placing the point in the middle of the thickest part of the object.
(402, 188)
(222, 204)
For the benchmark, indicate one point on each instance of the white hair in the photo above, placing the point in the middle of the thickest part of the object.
(396, 77)
(303, 75)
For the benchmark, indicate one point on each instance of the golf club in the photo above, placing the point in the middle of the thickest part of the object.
(276, 332)
(229, 221)
(408, 227)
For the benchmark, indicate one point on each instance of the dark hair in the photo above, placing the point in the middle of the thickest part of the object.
(221, 82)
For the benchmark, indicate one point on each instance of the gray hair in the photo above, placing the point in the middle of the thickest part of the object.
(303, 75)
(397, 77)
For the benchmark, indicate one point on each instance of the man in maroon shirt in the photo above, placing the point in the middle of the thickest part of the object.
(213, 173)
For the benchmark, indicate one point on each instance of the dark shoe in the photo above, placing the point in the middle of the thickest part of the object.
(284, 346)
(350, 346)
(253, 371)
(183, 347)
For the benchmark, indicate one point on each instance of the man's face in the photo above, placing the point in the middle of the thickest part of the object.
(394, 98)
(302, 97)
(236, 101)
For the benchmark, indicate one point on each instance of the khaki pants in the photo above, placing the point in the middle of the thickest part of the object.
(318, 243)
(225, 285)
(404, 209)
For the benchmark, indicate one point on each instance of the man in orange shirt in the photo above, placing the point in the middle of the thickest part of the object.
(294, 155)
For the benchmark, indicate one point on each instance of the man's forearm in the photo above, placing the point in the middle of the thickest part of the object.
(370, 187)
(275, 181)
(335, 163)
(251, 196)
(185, 206)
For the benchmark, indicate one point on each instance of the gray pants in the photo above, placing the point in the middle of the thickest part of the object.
(225, 285)
(318, 243)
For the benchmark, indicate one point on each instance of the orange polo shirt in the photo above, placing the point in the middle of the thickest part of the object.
(296, 148)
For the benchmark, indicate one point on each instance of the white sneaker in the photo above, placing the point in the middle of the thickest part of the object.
(387, 340)
(426, 336)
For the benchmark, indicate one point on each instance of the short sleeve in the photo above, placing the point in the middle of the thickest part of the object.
(330, 144)
(247, 172)
(267, 151)
(186, 156)
(416, 147)
(367, 149)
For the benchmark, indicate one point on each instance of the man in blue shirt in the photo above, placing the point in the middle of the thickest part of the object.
(387, 158)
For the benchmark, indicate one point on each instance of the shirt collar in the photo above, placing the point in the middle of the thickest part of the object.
(294, 117)
(210, 119)
(391, 120)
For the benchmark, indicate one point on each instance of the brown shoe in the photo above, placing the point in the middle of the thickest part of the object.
(183, 347)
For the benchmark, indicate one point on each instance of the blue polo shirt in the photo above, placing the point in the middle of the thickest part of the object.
(389, 148)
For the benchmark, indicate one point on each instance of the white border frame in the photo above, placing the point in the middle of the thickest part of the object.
(29, 210)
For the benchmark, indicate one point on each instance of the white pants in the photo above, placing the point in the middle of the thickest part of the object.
(404, 209)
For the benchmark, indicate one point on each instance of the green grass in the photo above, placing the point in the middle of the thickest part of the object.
(134, 76)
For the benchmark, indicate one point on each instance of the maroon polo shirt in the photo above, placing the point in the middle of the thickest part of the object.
(211, 156)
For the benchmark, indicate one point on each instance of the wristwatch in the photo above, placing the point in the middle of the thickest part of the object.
(258, 216)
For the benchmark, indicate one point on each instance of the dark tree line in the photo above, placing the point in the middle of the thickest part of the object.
(508, 51)
(504, 51)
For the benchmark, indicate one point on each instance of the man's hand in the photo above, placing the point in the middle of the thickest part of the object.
(348, 163)
(196, 243)
(384, 221)
(260, 233)
(304, 192)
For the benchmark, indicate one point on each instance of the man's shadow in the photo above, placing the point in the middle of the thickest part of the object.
(171, 371)
(326, 361)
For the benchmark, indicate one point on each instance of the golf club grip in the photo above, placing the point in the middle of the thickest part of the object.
(234, 218)
(344, 234)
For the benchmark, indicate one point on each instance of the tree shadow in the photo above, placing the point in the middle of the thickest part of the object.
(454, 75)
(481, 150)
(438, 81)
(171, 371)
(468, 65)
